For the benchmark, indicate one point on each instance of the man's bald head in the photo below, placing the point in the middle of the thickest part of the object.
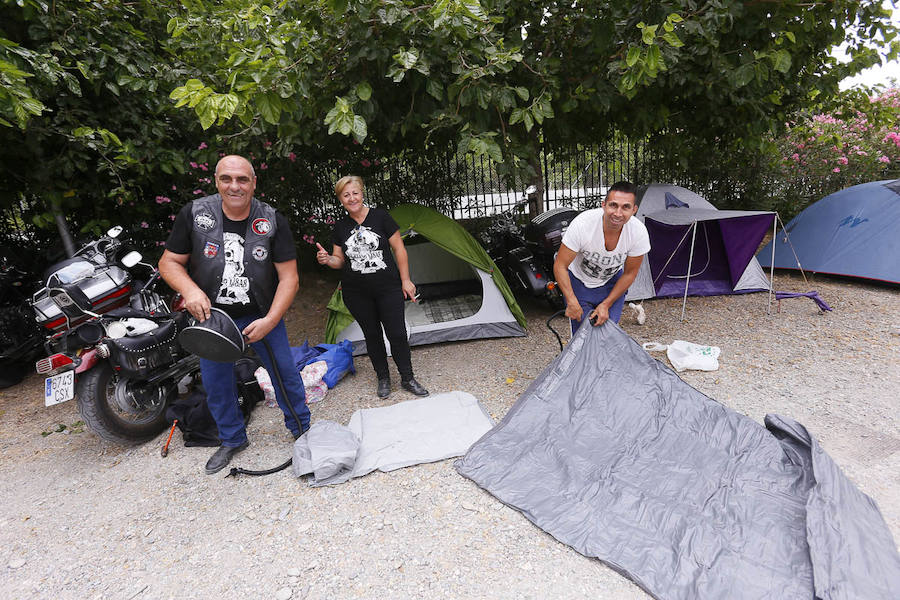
(234, 160)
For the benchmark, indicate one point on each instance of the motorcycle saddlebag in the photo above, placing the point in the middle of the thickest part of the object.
(138, 355)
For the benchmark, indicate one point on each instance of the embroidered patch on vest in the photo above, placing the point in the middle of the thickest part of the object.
(210, 250)
(261, 226)
(260, 252)
(205, 221)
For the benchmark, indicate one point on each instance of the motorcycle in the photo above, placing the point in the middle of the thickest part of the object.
(112, 341)
(21, 339)
(525, 255)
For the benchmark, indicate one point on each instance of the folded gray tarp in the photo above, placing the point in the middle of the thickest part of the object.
(390, 437)
(611, 453)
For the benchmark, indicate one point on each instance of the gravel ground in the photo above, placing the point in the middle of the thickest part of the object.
(85, 519)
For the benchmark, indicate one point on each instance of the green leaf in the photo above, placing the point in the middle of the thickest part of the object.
(781, 61)
(653, 59)
(434, 89)
(648, 34)
(523, 93)
(205, 111)
(407, 58)
(359, 128)
(363, 91)
(790, 35)
(528, 120)
(672, 39)
(634, 53)
(516, 116)
(744, 75)
(269, 105)
(338, 7)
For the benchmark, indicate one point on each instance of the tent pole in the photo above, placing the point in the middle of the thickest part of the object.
(687, 282)
(772, 265)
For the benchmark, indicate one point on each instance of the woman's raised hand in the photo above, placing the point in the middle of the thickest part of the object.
(322, 255)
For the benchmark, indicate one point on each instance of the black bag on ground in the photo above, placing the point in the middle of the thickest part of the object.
(198, 428)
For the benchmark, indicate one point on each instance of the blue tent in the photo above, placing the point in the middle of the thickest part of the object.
(851, 232)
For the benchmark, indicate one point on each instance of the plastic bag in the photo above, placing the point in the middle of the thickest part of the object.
(687, 355)
(265, 383)
(339, 358)
(312, 375)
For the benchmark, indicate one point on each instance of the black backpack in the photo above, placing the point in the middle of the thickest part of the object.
(194, 419)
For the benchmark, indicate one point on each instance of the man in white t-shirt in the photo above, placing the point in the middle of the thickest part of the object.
(600, 256)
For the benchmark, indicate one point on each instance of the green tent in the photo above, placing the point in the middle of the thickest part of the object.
(463, 295)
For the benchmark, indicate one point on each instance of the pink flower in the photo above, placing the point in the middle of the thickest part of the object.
(171, 217)
(163, 200)
(202, 146)
(198, 192)
(267, 144)
(884, 159)
(309, 240)
(329, 221)
(263, 167)
(795, 157)
(365, 162)
(282, 177)
(843, 160)
(292, 157)
(144, 225)
(193, 165)
(836, 170)
(204, 166)
(341, 162)
(160, 243)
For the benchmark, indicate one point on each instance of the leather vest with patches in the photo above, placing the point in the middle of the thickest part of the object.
(208, 249)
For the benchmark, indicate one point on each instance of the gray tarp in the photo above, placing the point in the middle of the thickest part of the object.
(390, 437)
(611, 453)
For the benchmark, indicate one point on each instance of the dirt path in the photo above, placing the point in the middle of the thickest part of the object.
(85, 519)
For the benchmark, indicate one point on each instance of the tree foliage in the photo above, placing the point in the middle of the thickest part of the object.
(486, 74)
(106, 105)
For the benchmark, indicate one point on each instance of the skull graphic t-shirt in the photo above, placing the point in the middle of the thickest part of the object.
(369, 262)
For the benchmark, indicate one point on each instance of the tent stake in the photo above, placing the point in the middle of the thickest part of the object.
(687, 282)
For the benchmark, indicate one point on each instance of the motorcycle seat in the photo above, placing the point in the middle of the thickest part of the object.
(164, 334)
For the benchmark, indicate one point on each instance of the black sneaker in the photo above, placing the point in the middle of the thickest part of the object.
(221, 457)
(384, 388)
(414, 386)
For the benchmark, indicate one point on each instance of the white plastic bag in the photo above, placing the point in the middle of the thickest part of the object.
(687, 355)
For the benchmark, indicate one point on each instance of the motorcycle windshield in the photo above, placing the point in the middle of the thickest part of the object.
(73, 272)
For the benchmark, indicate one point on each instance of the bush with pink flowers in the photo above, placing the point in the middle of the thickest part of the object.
(823, 153)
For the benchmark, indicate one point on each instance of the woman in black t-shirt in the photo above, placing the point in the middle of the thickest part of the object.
(374, 281)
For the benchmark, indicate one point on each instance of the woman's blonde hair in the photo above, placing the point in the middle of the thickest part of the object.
(347, 180)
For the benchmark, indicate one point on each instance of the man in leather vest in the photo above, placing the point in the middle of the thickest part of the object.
(231, 251)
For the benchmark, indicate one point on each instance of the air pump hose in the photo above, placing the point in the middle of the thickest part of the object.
(558, 313)
(286, 464)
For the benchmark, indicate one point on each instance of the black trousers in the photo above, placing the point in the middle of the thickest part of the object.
(374, 309)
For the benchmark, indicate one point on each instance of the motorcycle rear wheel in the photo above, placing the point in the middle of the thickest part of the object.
(121, 409)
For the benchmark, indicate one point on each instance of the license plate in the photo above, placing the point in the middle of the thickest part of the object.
(59, 388)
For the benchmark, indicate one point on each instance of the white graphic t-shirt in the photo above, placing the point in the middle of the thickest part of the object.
(595, 265)
(235, 285)
(362, 249)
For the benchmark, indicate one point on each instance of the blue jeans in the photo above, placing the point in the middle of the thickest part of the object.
(589, 298)
(221, 386)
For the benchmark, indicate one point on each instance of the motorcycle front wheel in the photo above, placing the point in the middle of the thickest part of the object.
(121, 409)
